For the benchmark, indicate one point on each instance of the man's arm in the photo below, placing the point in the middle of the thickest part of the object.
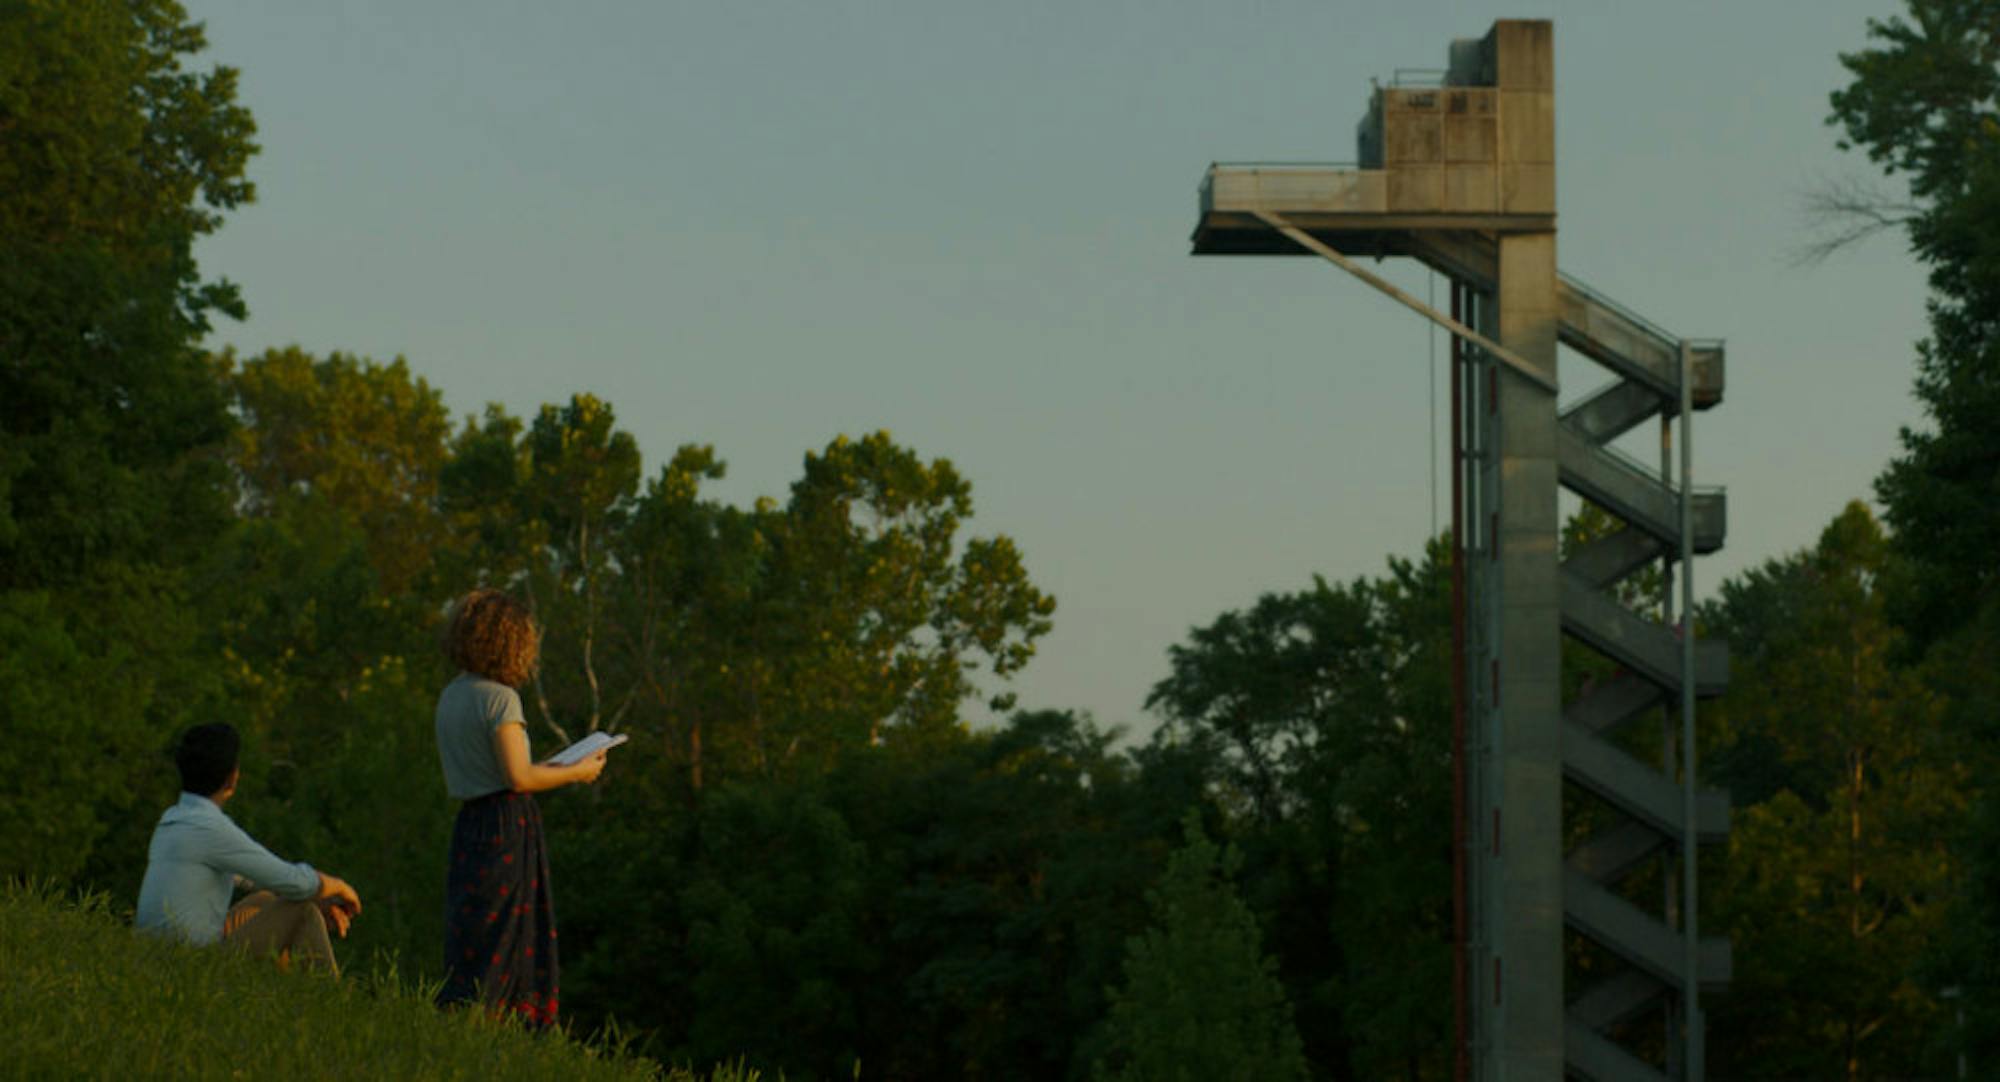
(232, 850)
(235, 851)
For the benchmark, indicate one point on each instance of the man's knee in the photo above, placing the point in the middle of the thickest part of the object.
(266, 924)
(243, 912)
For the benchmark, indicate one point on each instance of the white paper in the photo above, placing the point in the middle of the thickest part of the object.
(585, 748)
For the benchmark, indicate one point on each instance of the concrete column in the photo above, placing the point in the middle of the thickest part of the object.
(1526, 761)
(1521, 903)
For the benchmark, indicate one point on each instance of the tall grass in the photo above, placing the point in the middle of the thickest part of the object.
(83, 996)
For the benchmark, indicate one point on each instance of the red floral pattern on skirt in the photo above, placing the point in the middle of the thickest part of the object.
(500, 918)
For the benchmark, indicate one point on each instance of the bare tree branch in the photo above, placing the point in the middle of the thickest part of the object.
(1844, 212)
(541, 694)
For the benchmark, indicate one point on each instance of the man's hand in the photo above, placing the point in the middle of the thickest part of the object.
(338, 902)
(336, 916)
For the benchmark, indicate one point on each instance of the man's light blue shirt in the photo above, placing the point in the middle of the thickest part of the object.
(197, 857)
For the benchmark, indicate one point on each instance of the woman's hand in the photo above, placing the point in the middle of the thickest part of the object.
(588, 769)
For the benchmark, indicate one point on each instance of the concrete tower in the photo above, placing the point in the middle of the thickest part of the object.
(1460, 174)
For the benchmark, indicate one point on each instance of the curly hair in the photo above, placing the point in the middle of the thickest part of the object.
(491, 634)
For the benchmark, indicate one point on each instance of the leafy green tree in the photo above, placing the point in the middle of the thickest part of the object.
(978, 892)
(897, 612)
(750, 642)
(547, 502)
(352, 785)
(1200, 1001)
(115, 159)
(364, 437)
(773, 935)
(89, 703)
(1921, 104)
(689, 570)
(1325, 718)
(750, 653)
(1010, 869)
(480, 491)
(326, 628)
(1961, 672)
(582, 473)
(1838, 871)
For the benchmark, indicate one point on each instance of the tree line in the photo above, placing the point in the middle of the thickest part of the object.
(807, 857)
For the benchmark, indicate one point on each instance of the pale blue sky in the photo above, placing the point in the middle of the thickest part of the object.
(760, 224)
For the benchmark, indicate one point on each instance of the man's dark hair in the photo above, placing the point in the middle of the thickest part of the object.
(206, 755)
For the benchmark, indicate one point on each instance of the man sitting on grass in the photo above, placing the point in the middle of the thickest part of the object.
(199, 856)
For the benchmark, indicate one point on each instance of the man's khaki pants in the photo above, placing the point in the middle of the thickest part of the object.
(264, 923)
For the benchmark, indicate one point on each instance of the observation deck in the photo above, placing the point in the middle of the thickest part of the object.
(1363, 212)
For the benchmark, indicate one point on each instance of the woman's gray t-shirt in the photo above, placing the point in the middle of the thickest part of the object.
(468, 711)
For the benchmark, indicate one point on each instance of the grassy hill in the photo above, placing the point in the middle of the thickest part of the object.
(82, 996)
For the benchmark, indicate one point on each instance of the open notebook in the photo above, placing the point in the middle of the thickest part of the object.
(590, 745)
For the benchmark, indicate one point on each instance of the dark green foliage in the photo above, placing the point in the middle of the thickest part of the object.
(954, 911)
(116, 159)
(350, 434)
(773, 944)
(1200, 1002)
(1010, 869)
(324, 636)
(86, 698)
(1922, 104)
(758, 643)
(1326, 717)
(1961, 672)
(1839, 865)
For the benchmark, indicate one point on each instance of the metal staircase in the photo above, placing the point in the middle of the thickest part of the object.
(1621, 486)
(1647, 362)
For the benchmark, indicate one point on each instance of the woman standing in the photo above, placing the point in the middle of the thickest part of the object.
(500, 927)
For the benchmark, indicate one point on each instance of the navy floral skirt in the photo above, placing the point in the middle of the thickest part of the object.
(500, 917)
